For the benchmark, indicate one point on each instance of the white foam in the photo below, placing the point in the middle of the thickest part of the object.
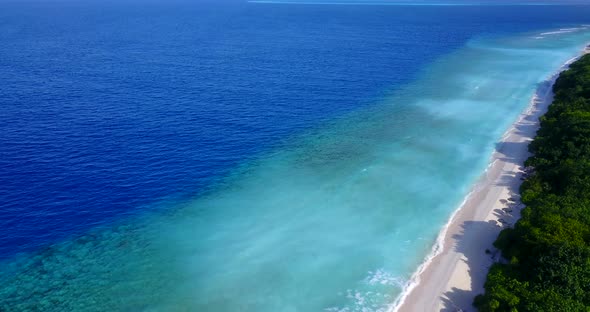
(382, 277)
(564, 30)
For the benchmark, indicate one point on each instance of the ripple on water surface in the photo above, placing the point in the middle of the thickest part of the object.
(336, 220)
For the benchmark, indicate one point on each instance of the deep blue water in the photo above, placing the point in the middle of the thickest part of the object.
(108, 108)
(115, 111)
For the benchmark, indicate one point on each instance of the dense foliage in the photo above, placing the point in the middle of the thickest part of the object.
(548, 250)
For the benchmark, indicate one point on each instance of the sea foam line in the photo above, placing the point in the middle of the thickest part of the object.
(438, 247)
(435, 251)
(564, 30)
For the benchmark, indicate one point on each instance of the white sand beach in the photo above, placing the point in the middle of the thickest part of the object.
(457, 274)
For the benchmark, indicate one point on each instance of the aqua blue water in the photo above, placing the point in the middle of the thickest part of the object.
(249, 157)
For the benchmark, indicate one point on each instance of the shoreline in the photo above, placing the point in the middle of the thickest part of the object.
(455, 270)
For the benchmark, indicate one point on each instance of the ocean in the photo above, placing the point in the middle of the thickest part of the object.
(242, 156)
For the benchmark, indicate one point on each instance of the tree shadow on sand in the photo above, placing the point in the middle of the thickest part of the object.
(475, 240)
(474, 255)
(526, 127)
(513, 152)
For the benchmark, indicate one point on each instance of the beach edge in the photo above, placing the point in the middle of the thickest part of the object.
(456, 268)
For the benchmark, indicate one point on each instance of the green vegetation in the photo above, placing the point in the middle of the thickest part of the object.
(547, 253)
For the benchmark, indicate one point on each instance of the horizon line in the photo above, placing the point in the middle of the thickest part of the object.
(413, 3)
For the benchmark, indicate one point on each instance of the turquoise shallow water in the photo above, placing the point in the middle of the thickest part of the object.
(337, 219)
